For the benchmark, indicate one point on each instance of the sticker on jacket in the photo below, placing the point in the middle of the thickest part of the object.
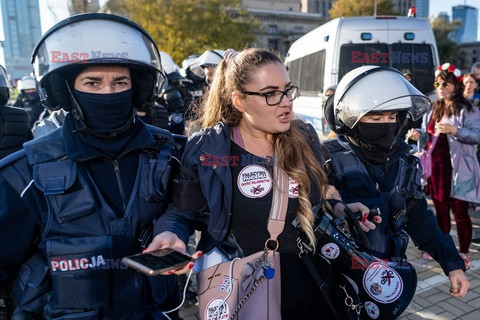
(292, 188)
(330, 251)
(372, 309)
(382, 283)
(254, 181)
(217, 309)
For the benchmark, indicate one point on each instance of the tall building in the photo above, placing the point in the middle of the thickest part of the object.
(22, 30)
(277, 5)
(2, 39)
(401, 6)
(443, 15)
(423, 8)
(321, 7)
(467, 32)
(282, 22)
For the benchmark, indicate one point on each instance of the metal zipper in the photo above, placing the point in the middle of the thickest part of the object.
(116, 169)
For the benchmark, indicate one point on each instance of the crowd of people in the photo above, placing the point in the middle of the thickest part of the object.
(108, 173)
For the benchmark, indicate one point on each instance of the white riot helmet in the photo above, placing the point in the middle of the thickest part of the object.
(96, 39)
(189, 61)
(191, 70)
(170, 67)
(375, 89)
(210, 58)
(167, 63)
(26, 83)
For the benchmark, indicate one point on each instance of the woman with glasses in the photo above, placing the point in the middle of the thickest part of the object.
(229, 169)
(451, 129)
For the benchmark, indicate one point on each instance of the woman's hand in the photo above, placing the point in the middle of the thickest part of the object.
(365, 224)
(446, 128)
(169, 240)
(413, 134)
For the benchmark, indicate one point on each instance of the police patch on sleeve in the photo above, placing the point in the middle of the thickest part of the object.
(382, 283)
(254, 181)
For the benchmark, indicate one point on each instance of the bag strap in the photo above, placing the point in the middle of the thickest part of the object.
(313, 271)
(278, 210)
(320, 282)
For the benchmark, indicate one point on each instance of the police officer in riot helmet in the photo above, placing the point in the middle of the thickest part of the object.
(175, 97)
(14, 129)
(370, 163)
(29, 99)
(84, 195)
(194, 73)
(209, 61)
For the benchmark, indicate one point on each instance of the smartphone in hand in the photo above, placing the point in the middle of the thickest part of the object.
(157, 262)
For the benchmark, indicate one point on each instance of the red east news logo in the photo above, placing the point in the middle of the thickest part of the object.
(385, 57)
(61, 57)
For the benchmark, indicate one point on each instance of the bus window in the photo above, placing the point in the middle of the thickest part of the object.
(313, 69)
(356, 55)
(418, 59)
(293, 68)
(307, 72)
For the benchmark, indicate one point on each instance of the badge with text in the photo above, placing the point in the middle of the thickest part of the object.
(217, 309)
(254, 181)
(330, 251)
(382, 283)
(292, 188)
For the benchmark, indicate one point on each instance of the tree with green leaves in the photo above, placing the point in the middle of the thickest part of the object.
(352, 8)
(443, 29)
(186, 27)
(82, 6)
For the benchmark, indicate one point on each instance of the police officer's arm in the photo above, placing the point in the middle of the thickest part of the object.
(422, 227)
(338, 207)
(17, 230)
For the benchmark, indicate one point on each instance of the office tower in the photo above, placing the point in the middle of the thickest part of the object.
(22, 30)
(467, 32)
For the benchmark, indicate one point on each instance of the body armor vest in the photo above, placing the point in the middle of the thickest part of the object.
(83, 240)
(388, 240)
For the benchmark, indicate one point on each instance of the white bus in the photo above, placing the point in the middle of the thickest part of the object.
(323, 56)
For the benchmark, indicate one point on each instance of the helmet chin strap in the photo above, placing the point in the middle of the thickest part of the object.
(82, 126)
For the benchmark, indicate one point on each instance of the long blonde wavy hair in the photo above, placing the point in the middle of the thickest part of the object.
(293, 152)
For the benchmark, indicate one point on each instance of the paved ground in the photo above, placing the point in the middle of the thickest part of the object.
(431, 300)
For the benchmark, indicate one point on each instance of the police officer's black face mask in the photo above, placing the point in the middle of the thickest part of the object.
(105, 112)
(32, 96)
(380, 135)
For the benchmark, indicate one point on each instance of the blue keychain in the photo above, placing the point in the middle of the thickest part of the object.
(268, 272)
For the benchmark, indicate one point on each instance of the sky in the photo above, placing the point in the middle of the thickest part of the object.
(59, 9)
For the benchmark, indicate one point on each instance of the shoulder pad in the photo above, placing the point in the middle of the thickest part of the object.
(333, 146)
(45, 148)
(13, 157)
(159, 133)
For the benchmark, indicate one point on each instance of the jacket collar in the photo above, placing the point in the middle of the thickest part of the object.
(80, 146)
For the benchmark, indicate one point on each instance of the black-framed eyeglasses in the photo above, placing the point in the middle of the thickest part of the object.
(438, 84)
(272, 98)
